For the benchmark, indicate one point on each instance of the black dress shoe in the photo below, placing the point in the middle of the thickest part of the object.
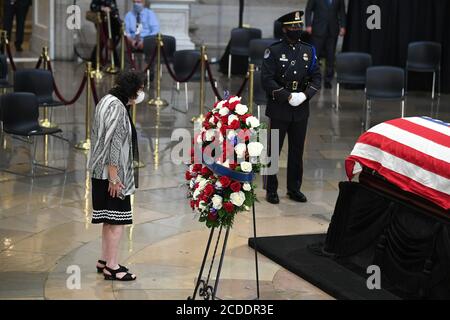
(328, 85)
(272, 197)
(297, 196)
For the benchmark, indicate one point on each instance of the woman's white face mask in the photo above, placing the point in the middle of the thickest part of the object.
(140, 97)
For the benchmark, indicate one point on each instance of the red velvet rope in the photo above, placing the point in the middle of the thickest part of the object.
(94, 91)
(8, 50)
(171, 72)
(212, 81)
(152, 59)
(242, 87)
(58, 93)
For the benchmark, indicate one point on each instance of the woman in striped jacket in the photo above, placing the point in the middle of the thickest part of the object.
(113, 149)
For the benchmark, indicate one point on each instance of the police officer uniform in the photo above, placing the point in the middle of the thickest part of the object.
(289, 74)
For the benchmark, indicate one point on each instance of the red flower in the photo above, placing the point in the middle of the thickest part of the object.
(192, 204)
(188, 175)
(197, 167)
(229, 207)
(212, 216)
(224, 181)
(235, 124)
(233, 105)
(233, 165)
(206, 172)
(209, 190)
(235, 186)
(244, 117)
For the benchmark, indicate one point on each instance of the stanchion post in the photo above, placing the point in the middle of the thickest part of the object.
(45, 122)
(203, 59)
(112, 68)
(97, 73)
(86, 144)
(122, 46)
(158, 102)
(251, 74)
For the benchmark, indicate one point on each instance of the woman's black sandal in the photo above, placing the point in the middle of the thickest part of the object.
(112, 276)
(100, 269)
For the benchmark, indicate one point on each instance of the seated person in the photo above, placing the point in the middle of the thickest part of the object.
(140, 22)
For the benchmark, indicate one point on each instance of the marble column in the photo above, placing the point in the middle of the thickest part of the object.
(173, 17)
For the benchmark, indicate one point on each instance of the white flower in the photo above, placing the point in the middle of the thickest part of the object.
(231, 134)
(199, 177)
(219, 124)
(231, 118)
(247, 187)
(224, 111)
(209, 135)
(246, 166)
(240, 149)
(220, 104)
(211, 120)
(196, 193)
(202, 183)
(255, 149)
(237, 198)
(217, 202)
(241, 109)
(234, 99)
(191, 183)
(252, 121)
(218, 184)
(220, 137)
(202, 205)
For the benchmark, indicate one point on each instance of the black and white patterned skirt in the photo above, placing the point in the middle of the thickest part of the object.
(107, 209)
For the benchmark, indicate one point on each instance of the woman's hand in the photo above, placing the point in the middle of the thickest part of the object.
(115, 189)
(106, 9)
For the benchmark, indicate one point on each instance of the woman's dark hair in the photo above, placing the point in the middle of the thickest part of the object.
(127, 85)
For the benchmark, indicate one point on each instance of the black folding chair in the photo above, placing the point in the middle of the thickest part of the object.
(425, 56)
(184, 62)
(351, 68)
(20, 119)
(257, 47)
(150, 43)
(259, 94)
(39, 82)
(277, 30)
(4, 83)
(240, 42)
(384, 83)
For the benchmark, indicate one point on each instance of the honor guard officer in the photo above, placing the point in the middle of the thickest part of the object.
(290, 76)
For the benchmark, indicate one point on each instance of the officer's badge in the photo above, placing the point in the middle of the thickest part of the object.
(297, 15)
(266, 53)
(305, 57)
(283, 57)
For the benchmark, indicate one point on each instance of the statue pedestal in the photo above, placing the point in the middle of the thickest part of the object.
(173, 16)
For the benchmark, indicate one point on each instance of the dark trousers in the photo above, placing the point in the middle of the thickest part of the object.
(20, 10)
(296, 132)
(326, 48)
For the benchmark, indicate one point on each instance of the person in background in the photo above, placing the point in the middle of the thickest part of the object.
(18, 8)
(113, 149)
(325, 20)
(140, 22)
(105, 6)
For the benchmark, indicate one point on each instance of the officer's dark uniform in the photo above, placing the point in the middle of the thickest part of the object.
(289, 68)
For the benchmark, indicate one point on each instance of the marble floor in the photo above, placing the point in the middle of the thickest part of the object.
(45, 228)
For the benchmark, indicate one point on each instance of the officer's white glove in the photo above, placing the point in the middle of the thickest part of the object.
(297, 98)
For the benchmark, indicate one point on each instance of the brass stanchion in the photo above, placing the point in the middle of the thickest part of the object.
(136, 164)
(45, 122)
(86, 144)
(97, 74)
(122, 46)
(112, 68)
(203, 59)
(158, 102)
(251, 74)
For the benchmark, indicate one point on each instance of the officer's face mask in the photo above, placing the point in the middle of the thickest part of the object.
(137, 7)
(293, 34)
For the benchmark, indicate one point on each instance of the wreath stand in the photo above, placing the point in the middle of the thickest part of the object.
(205, 288)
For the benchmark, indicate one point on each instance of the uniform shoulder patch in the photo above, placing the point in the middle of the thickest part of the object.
(266, 53)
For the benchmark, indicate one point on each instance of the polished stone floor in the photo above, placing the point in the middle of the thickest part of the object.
(45, 221)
